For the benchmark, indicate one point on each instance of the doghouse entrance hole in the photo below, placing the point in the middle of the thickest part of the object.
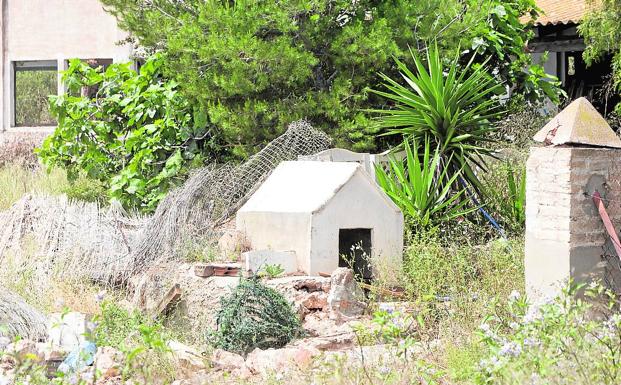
(355, 251)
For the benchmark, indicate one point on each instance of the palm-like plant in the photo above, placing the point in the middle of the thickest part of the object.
(413, 185)
(452, 109)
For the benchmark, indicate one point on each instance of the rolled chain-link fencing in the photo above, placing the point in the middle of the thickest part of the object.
(51, 235)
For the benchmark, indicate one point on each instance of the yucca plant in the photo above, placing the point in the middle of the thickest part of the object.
(413, 185)
(506, 190)
(451, 108)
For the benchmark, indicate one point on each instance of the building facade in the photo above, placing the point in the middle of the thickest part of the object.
(38, 38)
(557, 39)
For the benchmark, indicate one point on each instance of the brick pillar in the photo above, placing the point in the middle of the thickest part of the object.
(565, 237)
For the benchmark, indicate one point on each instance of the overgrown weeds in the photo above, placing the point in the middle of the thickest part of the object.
(16, 180)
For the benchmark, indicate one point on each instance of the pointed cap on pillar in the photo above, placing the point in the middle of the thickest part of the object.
(578, 124)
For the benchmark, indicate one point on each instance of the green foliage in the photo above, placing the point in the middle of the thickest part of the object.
(505, 188)
(449, 107)
(501, 37)
(565, 341)
(116, 326)
(255, 66)
(15, 181)
(272, 271)
(466, 275)
(87, 190)
(254, 316)
(413, 185)
(136, 134)
(602, 33)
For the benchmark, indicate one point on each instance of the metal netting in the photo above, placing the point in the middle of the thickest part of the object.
(612, 267)
(49, 236)
(194, 213)
(18, 319)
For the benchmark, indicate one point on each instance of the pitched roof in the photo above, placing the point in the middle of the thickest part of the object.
(301, 186)
(561, 11)
(579, 124)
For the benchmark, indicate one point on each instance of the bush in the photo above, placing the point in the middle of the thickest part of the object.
(86, 189)
(505, 190)
(20, 151)
(254, 316)
(565, 341)
(15, 181)
(413, 185)
(254, 67)
(117, 326)
(454, 284)
(132, 132)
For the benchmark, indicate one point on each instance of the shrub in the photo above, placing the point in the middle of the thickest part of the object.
(86, 189)
(505, 187)
(136, 134)
(19, 151)
(15, 181)
(565, 341)
(254, 67)
(116, 326)
(254, 316)
(454, 284)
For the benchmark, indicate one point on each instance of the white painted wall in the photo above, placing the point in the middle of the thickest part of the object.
(277, 231)
(359, 204)
(308, 225)
(55, 30)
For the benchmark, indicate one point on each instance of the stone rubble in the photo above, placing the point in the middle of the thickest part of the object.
(330, 308)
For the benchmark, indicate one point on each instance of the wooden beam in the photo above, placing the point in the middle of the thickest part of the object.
(557, 46)
(169, 301)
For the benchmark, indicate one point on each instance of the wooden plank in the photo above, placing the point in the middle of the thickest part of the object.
(169, 301)
(612, 233)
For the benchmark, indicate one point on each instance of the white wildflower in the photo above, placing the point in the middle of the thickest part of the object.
(514, 296)
(511, 349)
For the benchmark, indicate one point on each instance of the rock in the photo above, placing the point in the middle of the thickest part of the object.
(187, 359)
(108, 362)
(345, 298)
(232, 243)
(277, 360)
(227, 361)
(23, 350)
(69, 331)
(256, 260)
(317, 300)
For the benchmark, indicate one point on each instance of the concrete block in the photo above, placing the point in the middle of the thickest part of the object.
(70, 330)
(256, 260)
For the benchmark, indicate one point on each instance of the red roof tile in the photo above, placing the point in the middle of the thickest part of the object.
(561, 11)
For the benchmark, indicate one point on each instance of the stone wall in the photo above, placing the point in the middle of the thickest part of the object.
(565, 236)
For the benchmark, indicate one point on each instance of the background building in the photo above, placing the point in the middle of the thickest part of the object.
(38, 38)
(556, 32)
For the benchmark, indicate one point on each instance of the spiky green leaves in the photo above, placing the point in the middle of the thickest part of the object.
(450, 108)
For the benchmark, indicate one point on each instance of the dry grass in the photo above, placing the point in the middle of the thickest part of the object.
(16, 180)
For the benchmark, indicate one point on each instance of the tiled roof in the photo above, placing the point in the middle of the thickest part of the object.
(561, 11)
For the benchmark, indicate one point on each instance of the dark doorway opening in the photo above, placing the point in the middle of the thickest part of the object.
(355, 252)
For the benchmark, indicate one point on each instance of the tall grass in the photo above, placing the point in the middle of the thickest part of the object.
(15, 181)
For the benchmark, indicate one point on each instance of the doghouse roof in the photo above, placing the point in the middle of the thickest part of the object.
(303, 186)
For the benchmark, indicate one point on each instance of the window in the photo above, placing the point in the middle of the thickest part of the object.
(34, 82)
